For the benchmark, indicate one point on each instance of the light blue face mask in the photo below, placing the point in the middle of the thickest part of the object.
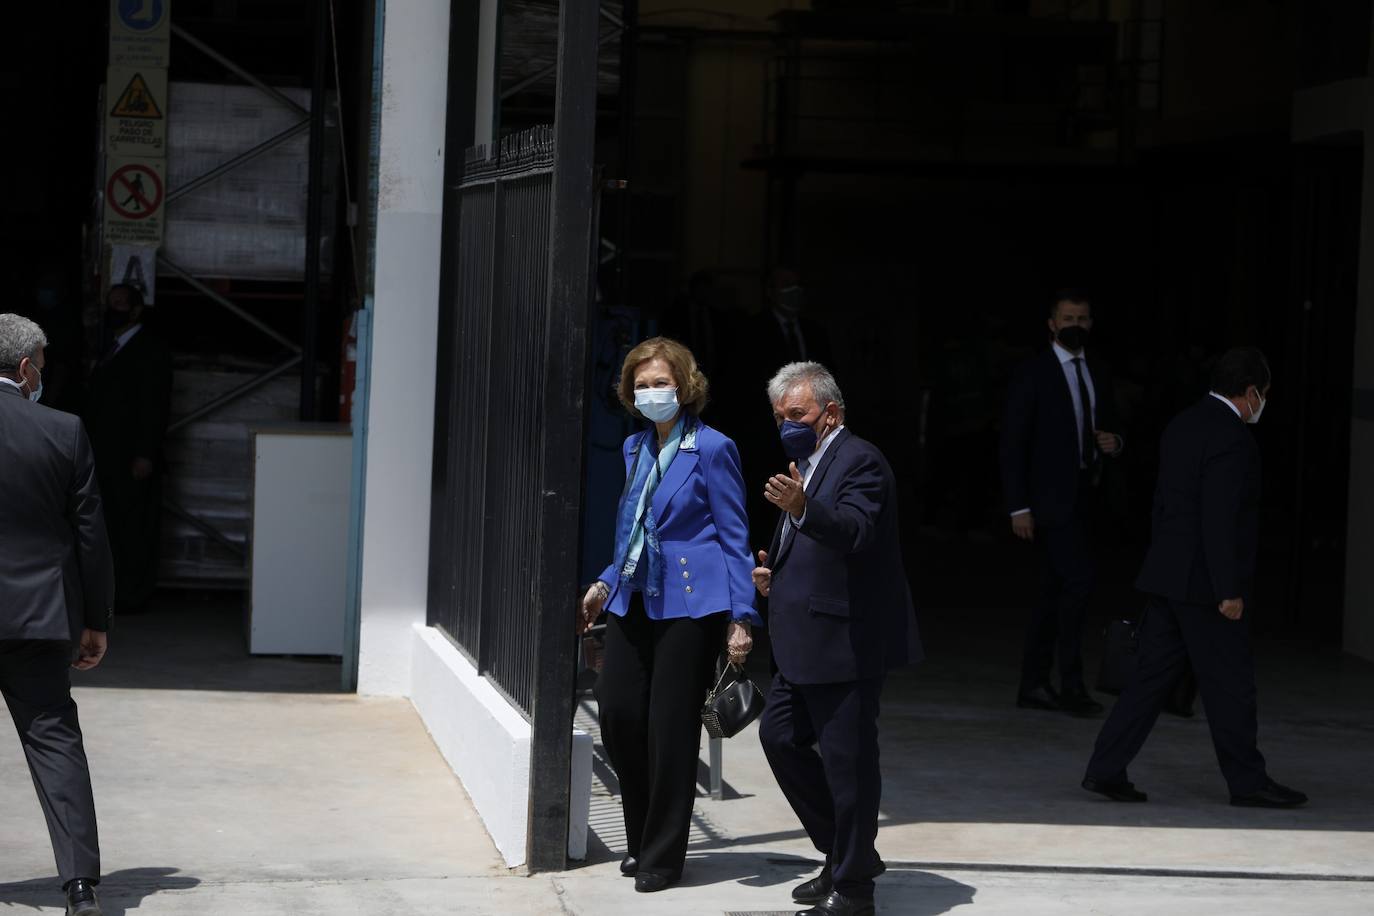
(37, 392)
(658, 405)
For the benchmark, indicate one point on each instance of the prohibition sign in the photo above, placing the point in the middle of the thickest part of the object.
(134, 191)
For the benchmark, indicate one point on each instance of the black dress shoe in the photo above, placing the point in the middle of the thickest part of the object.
(838, 904)
(81, 898)
(1079, 703)
(815, 890)
(1041, 697)
(1116, 790)
(629, 866)
(647, 882)
(1272, 795)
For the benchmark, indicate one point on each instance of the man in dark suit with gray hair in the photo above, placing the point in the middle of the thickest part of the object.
(840, 617)
(56, 592)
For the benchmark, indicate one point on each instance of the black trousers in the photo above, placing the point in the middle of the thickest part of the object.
(1173, 634)
(1068, 573)
(821, 741)
(653, 681)
(133, 514)
(35, 681)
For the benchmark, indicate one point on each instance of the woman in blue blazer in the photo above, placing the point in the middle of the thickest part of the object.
(678, 591)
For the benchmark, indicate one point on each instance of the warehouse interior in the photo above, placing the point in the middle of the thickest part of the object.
(932, 170)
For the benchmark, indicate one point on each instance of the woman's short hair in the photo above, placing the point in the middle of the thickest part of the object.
(692, 387)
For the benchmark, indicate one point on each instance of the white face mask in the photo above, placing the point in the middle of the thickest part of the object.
(658, 405)
(1255, 416)
(37, 392)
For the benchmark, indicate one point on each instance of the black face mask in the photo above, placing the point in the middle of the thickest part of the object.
(1073, 337)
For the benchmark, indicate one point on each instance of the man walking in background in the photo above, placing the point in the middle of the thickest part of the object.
(1059, 427)
(56, 592)
(840, 617)
(1198, 576)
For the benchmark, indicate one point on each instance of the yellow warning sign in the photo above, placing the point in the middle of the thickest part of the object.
(136, 101)
(135, 111)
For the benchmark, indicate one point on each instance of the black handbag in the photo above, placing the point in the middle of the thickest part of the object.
(729, 708)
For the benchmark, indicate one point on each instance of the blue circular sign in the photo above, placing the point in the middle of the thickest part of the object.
(142, 15)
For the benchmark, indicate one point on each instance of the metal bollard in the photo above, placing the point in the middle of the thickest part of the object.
(717, 769)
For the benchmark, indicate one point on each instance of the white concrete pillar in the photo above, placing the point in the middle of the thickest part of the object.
(488, 72)
(395, 541)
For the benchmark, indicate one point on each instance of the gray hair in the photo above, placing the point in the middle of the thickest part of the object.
(823, 384)
(20, 339)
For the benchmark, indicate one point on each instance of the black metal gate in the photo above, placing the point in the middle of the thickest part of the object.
(513, 370)
(488, 540)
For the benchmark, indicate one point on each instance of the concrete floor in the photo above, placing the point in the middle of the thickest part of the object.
(229, 785)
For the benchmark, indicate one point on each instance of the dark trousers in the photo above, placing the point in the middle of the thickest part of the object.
(1173, 634)
(653, 682)
(35, 681)
(1067, 575)
(821, 741)
(133, 514)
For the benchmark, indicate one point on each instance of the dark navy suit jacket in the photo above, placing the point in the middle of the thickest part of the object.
(1205, 525)
(1040, 448)
(840, 608)
(702, 529)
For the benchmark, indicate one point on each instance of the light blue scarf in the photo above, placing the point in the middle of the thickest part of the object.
(636, 526)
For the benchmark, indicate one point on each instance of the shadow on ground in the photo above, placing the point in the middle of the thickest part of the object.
(197, 641)
(119, 892)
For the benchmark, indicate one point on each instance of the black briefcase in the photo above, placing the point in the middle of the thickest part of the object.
(1118, 656)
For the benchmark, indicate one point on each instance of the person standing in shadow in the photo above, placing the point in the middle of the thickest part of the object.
(1198, 576)
(127, 410)
(1058, 429)
(781, 333)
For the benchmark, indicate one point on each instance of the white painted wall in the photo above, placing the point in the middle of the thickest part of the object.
(487, 743)
(395, 560)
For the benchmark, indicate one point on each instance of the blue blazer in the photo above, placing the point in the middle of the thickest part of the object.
(840, 608)
(702, 528)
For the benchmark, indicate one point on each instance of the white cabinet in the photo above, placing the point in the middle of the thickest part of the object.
(301, 480)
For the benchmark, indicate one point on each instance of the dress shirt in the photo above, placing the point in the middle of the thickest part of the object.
(1227, 401)
(1071, 376)
(123, 339)
(13, 384)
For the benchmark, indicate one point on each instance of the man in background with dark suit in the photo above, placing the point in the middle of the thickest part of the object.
(56, 591)
(840, 618)
(1198, 575)
(127, 413)
(1058, 429)
(778, 335)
